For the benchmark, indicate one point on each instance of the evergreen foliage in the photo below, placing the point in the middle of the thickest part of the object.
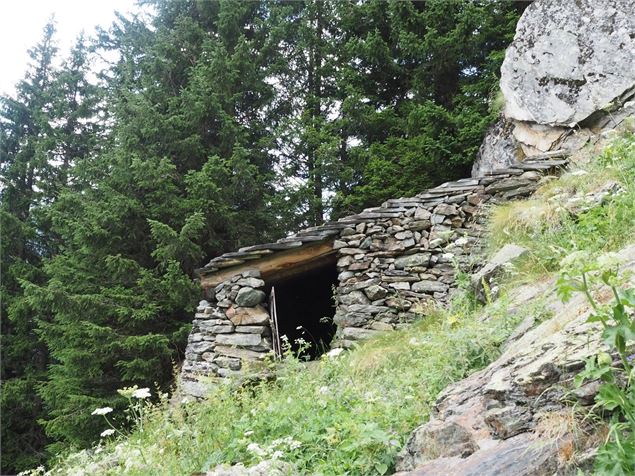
(218, 125)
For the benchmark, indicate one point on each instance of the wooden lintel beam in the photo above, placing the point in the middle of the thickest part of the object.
(281, 264)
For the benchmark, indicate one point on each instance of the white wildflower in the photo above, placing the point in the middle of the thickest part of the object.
(324, 390)
(333, 353)
(107, 432)
(576, 261)
(256, 449)
(609, 261)
(413, 341)
(249, 433)
(141, 393)
(293, 444)
(102, 411)
(277, 454)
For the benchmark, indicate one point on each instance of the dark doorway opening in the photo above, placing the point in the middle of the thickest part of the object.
(305, 308)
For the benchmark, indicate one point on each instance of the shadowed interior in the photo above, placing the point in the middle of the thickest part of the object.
(305, 308)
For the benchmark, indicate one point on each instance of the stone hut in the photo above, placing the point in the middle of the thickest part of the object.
(349, 279)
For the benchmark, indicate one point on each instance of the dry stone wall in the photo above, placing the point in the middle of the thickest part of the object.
(391, 261)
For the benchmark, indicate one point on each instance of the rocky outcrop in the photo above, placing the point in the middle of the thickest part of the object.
(515, 416)
(482, 280)
(568, 76)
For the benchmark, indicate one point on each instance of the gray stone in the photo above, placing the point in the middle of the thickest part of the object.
(238, 339)
(337, 244)
(249, 297)
(568, 60)
(419, 225)
(498, 150)
(262, 330)
(354, 297)
(375, 292)
(228, 362)
(445, 209)
(350, 319)
(355, 333)
(429, 287)
(437, 219)
(251, 282)
(219, 329)
(195, 388)
(251, 273)
(422, 214)
(505, 256)
(403, 235)
(419, 259)
(350, 251)
(200, 347)
(436, 440)
(239, 353)
(367, 308)
(400, 285)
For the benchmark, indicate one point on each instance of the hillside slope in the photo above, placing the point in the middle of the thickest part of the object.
(352, 414)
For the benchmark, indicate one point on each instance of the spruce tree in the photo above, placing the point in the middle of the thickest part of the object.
(48, 130)
(184, 176)
(417, 92)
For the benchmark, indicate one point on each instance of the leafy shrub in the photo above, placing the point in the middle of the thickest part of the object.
(616, 394)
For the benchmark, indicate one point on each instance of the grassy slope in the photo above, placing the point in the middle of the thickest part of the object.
(351, 415)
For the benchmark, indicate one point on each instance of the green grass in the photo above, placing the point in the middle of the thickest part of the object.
(348, 415)
(351, 415)
(550, 232)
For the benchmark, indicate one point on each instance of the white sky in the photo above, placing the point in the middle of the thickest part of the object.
(22, 23)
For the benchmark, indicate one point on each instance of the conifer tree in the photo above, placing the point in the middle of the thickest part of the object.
(47, 131)
(184, 176)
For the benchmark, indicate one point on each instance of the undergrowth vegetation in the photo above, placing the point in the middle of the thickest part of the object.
(590, 207)
(344, 415)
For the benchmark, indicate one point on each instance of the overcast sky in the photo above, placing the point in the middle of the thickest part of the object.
(22, 22)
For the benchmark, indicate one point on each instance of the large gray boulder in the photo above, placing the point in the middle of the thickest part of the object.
(569, 60)
(568, 76)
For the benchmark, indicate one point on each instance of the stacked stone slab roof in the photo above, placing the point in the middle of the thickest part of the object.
(502, 182)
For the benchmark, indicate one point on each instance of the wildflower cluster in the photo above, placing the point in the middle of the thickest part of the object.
(277, 449)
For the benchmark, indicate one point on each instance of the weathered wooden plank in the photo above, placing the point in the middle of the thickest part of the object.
(277, 265)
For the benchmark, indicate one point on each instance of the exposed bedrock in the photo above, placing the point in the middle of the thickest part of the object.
(515, 416)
